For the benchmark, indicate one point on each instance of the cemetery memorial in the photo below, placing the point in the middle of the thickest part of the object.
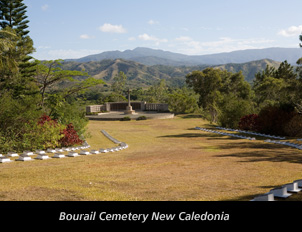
(113, 111)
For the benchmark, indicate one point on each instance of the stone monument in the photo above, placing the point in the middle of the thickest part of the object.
(129, 109)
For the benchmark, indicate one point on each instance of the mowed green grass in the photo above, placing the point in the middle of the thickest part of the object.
(167, 160)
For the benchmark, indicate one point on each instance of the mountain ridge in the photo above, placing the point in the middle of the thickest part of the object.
(151, 57)
(143, 75)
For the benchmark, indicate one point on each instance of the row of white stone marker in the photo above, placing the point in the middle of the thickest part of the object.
(284, 191)
(251, 133)
(58, 152)
(294, 145)
(223, 133)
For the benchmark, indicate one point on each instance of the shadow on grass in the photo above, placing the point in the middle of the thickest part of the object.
(249, 151)
(189, 116)
(191, 135)
(260, 156)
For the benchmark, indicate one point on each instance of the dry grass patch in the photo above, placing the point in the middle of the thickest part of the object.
(166, 160)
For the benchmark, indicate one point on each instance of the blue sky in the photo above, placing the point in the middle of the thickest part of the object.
(76, 28)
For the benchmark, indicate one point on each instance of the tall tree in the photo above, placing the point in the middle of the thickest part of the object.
(13, 15)
(207, 84)
(216, 87)
(118, 86)
(119, 83)
(6, 43)
(276, 86)
(49, 74)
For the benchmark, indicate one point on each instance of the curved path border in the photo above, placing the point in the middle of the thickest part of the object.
(58, 152)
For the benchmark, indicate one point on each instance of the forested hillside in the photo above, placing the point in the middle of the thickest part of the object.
(140, 75)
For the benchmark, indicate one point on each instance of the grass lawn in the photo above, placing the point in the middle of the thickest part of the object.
(167, 160)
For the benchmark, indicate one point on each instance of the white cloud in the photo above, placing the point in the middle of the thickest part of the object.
(291, 31)
(107, 27)
(152, 22)
(69, 53)
(147, 37)
(45, 7)
(184, 38)
(132, 39)
(190, 46)
(85, 36)
(44, 47)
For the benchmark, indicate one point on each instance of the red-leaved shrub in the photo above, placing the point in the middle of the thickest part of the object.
(248, 122)
(71, 137)
(45, 118)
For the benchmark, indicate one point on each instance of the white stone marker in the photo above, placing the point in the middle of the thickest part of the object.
(72, 154)
(40, 152)
(280, 192)
(293, 187)
(299, 182)
(104, 151)
(59, 150)
(58, 155)
(94, 152)
(12, 154)
(28, 153)
(24, 157)
(42, 157)
(51, 150)
(265, 197)
(4, 159)
(84, 152)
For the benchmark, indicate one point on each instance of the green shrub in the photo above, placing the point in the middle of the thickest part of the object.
(72, 113)
(232, 111)
(41, 136)
(125, 119)
(141, 118)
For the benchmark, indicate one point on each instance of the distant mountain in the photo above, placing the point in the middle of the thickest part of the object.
(151, 57)
(276, 54)
(249, 69)
(140, 75)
